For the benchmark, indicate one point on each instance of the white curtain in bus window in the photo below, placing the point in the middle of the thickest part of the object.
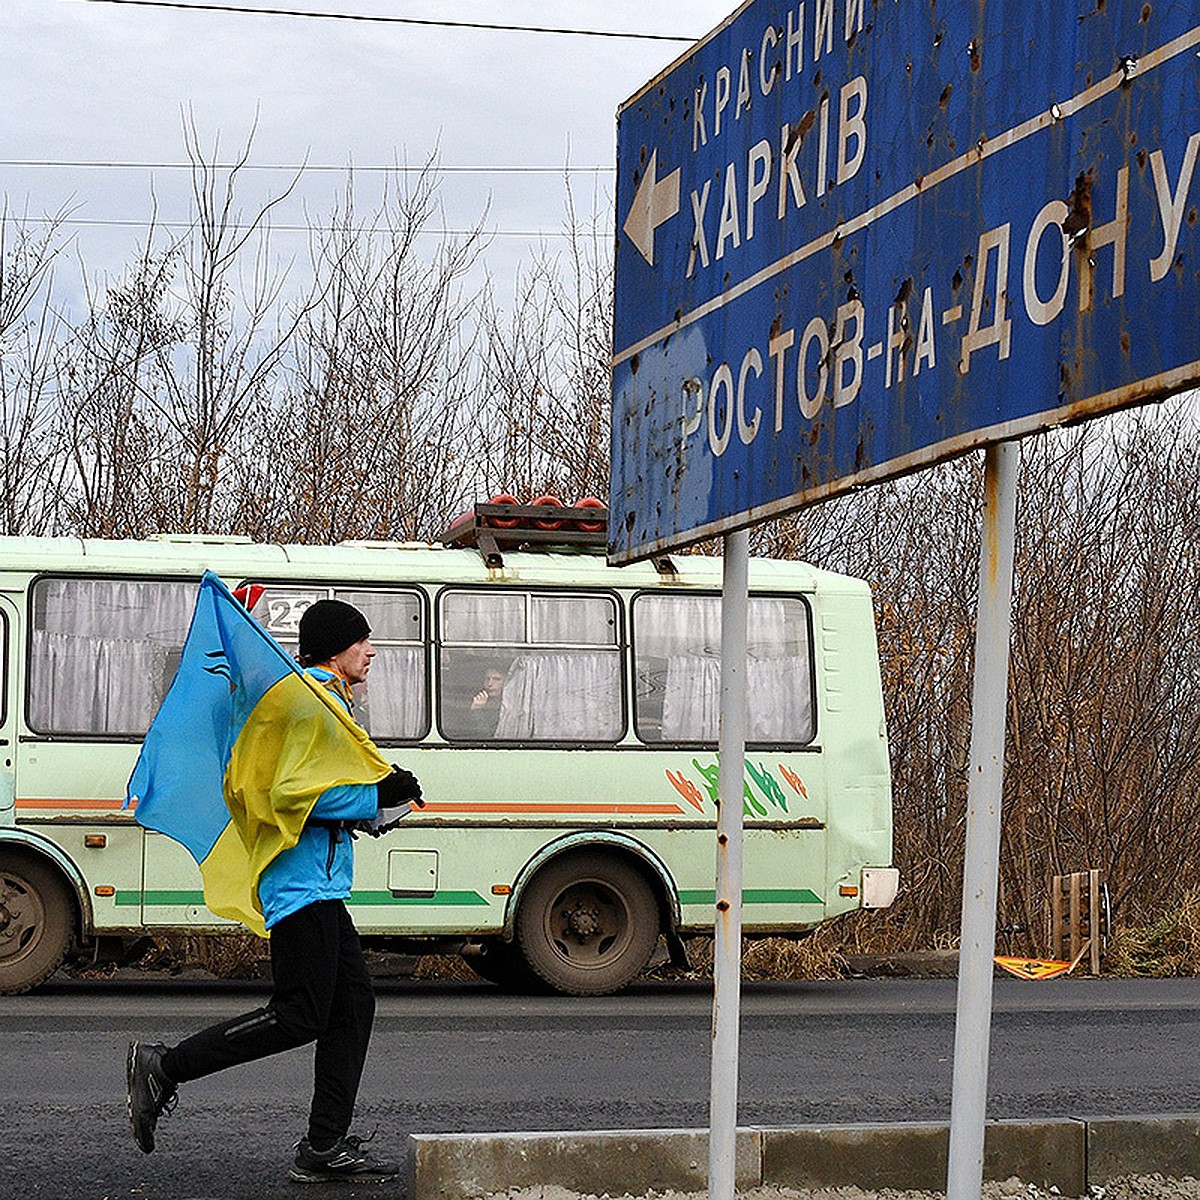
(103, 652)
(391, 705)
(522, 666)
(677, 653)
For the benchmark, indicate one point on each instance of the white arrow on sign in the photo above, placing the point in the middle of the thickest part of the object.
(656, 201)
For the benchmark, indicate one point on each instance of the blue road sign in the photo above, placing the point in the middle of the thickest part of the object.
(860, 236)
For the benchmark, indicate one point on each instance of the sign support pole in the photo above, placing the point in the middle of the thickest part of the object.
(727, 932)
(989, 702)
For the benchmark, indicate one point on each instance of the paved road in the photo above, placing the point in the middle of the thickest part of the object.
(462, 1057)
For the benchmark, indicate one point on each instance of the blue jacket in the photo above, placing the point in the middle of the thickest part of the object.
(321, 864)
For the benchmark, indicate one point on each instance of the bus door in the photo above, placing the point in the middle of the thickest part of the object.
(8, 710)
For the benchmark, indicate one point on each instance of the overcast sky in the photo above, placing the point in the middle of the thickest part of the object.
(85, 82)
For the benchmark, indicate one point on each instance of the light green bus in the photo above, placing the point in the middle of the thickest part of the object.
(561, 715)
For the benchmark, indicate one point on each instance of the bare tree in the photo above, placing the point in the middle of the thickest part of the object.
(109, 372)
(548, 398)
(31, 465)
(379, 441)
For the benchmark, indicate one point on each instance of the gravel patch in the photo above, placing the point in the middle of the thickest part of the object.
(1132, 1187)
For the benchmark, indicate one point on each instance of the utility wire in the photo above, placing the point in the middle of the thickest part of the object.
(306, 167)
(387, 20)
(115, 223)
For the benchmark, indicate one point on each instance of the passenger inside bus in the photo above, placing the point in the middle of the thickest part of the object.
(485, 704)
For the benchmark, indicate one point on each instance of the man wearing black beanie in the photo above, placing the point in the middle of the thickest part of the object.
(321, 986)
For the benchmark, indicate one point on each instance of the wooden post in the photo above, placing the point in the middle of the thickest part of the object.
(1056, 918)
(1075, 930)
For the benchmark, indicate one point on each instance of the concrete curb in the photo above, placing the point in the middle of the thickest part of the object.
(1069, 1154)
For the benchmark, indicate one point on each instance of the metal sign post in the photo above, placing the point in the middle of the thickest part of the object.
(972, 1036)
(727, 932)
(857, 239)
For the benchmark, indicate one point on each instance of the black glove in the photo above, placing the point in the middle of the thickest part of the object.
(400, 787)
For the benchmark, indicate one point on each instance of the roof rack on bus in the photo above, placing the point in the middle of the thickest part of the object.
(502, 523)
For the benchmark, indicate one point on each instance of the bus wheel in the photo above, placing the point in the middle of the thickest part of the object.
(587, 924)
(35, 922)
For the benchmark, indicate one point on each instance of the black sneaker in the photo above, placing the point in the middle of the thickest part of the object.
(345, 1159)
(149, 1092)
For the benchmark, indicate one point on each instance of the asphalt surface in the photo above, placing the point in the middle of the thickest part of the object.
(465, 1058)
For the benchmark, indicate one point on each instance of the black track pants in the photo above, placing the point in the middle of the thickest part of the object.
(322, 993)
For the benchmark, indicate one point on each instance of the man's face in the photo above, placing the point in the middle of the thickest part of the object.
(354, 662)
(493, 683)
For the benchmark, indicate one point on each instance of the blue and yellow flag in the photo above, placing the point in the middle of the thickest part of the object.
(239, 753)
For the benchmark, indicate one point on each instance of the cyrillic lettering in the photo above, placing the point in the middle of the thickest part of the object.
(851, 27)
(1114, 234)
(743, 96)
(699, 241)
(1170, 204)
(789, 147)
(1042, 312)
(724, 82)
(690, 421)
(852, 127)
(795, 44)
(822, 145)
(756, 187)
(767, 70)
(731, 226)
(925, 348)
(847, 350)
(699, 130)
(748, 429)
(822, 23)
(722, 378)
(777, 348)
(896, 334)
(999, 332)
(814, 331)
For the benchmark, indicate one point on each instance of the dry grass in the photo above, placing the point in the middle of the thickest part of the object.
(227, 956)
(1168, 947)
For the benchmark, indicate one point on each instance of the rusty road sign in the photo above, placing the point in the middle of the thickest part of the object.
(860, 236)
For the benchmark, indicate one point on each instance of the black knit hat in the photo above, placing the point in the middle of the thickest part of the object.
(327, 628)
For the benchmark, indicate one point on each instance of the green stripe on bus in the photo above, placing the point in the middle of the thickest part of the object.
(442, 899)
(180, 899)
(755, 896)
(158, 899)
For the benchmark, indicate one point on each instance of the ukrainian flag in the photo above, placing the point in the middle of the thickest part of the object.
(239, 753)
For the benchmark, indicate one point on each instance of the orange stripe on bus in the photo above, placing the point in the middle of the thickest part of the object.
(430, 806)
(501, 807)
(90, 805)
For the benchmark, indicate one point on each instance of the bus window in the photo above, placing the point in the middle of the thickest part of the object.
(530, 666)
(392, 703)
(103, 652)
(677, 657)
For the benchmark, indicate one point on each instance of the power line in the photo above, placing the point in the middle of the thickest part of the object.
(387, 20)
(116, 223)
(373, 168)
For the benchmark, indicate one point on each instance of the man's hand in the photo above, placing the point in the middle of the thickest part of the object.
(397, 793)
(400, 787)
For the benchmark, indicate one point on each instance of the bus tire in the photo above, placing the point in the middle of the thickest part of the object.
(588, 923)
(36, 918)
